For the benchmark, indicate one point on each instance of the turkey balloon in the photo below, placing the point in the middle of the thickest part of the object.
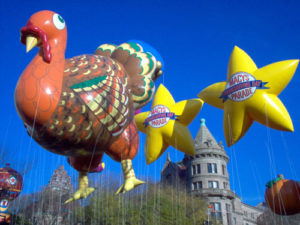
(283, 196)
(11, 184)
(83, 107)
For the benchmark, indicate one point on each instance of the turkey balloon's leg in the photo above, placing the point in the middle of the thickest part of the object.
(130, 180)
(85, 165)
(83, 188)
(123, 150)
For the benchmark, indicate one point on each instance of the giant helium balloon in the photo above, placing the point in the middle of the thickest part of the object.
(282, 196)
(166, 124)
(250, 94)
(11, 184)
(83, 107)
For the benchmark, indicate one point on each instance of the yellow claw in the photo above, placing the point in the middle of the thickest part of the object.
(129, 184)
(130, 179)
(31, 42)
(81, 193)
(83, 188)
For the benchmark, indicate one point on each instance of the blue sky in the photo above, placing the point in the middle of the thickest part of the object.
(195, 40)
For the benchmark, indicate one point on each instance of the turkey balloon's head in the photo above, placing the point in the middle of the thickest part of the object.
(43, 28)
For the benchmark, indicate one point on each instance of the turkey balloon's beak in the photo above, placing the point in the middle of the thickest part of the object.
(31, 42)
(32, 36)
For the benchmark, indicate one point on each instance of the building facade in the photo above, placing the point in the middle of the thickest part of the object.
(60, 181)
(206, 176)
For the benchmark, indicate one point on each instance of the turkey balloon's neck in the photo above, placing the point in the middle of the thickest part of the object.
(39, 87)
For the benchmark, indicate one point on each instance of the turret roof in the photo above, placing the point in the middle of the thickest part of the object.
(205, 140)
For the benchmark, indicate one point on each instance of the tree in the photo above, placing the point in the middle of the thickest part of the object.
(18, 220)
(47, 207)
(155, 205)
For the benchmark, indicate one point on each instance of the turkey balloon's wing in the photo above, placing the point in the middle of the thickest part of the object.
(104, 91)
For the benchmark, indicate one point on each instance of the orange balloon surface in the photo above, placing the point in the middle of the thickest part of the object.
(283, 196)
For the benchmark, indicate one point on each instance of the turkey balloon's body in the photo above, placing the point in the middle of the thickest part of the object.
(94, 108)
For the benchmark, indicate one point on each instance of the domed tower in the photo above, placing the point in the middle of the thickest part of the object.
(207, 174)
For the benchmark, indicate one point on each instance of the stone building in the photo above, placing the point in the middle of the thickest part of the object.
(60, 181)
(206, 175)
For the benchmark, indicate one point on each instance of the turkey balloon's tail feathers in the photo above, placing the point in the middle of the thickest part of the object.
(142, 69)
(132, 56)
(105, 50)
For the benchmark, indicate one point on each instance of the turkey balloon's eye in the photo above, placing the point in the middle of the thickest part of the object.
(58, 22)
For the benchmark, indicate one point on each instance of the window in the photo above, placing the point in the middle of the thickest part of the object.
(225, 184)
(169, 178)
(197, 185)
(245, 213)
(228, 214)
(212, 168)
(194, 186)
(216, 211)
(198, 169)
(217, 206)
(213, 184)
(227, 207)
(200, 184)
(194, 170)
(223, 169)
(234, 221)
(252, 215)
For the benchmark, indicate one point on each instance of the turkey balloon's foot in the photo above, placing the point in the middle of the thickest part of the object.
(129, 184)
(130, 180)
(81, 193)
(84, 190)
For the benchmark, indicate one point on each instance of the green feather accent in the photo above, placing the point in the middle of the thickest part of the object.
(146, 67)
(131, 47)
(135, 46)
(151, 64)
(149, 93)
(109, 47)
(89, 83)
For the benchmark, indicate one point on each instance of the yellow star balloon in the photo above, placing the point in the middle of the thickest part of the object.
(166, 124)
(251, 94)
